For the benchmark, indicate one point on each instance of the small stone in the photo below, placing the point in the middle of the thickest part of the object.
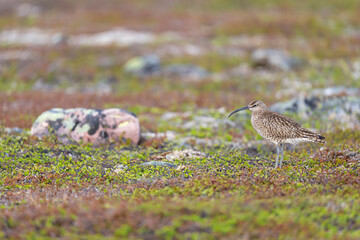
(168, 116)
(14, 130)
(208, 122)
(41, 85)
(185, 71)
(356, 72)
(27, 10)
(275, 58)
(150, 65)
(179, 50)
(103, 86)
(169, 135)
(119, 168)
(106, 62)
(117, 36)
(143, 66)
(32, 37)
(184, 154)
(18, 55)
(181, 168)
(288, 106)
(88, 125)
(336, 91)
(159, 164)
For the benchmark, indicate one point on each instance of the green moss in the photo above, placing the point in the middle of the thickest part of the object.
(80, 191)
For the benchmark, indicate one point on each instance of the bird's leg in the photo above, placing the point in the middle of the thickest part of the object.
(277, 156)
(282, 153)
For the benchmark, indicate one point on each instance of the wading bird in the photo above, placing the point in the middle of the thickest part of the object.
(277, 128)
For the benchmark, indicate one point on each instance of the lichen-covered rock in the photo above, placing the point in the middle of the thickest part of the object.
(338, 104)
(143, 66)
(88, 125)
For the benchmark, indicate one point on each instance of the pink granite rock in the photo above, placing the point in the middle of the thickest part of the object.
(88, 125)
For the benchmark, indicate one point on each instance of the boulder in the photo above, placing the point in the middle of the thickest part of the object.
(338, 104)
(88, 125)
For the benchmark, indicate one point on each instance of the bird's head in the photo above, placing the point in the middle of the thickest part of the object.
(254, 106)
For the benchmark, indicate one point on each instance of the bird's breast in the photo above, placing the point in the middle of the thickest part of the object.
(258, 126)
(264, 128)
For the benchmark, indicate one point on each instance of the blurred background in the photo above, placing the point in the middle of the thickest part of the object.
(200, 57)
(181, 66)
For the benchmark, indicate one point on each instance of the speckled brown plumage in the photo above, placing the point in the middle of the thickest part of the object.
(278, 128)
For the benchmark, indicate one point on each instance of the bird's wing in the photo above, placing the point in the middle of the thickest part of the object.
(279, 126)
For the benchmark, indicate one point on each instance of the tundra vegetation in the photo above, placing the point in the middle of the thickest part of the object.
(226, 186)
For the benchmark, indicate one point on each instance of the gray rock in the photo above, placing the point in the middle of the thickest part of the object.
(18, 55)
(113, 37)
(337, 90)
(32, 37)
(27, 10)
(337, 104)
(143, 66)
(323, 99)
(190, 141)
(168, 116)
(275, 59)
(103, 86)
(106, 62)
(119, 168)
(356, 69)
(179, 50)
(168, 135)
(41, 85)
(298, 105)
(208, 122)
(185, 71)
(184, 154)
(14, 130)
(150, 65)
(159, 164)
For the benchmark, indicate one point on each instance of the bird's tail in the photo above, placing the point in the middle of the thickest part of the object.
(312, 137)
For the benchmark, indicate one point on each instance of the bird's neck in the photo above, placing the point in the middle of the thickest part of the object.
(257, 114)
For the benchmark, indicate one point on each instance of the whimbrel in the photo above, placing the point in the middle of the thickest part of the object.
(277, 128)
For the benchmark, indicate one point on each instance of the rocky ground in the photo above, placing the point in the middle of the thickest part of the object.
(181, 67)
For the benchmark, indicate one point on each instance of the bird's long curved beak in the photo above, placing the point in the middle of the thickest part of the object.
(238, 110)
